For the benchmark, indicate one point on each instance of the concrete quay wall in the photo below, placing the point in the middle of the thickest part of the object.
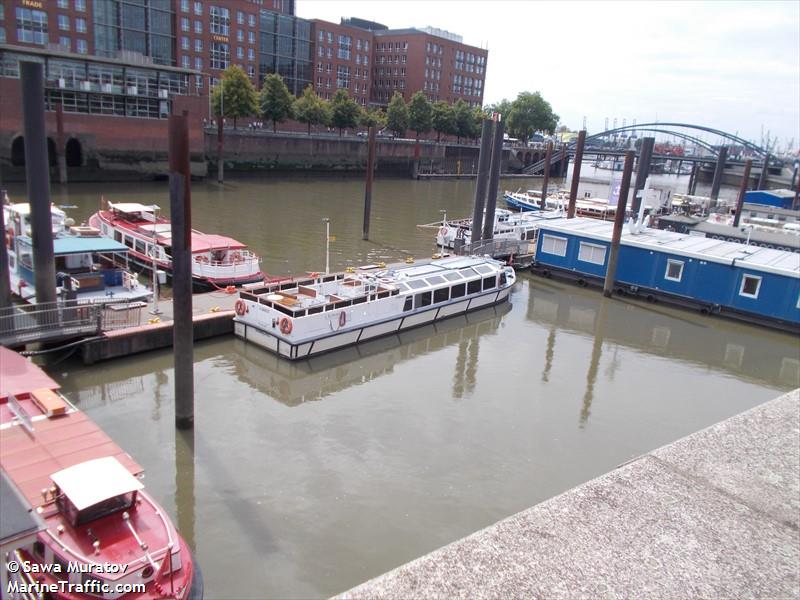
(713, 515)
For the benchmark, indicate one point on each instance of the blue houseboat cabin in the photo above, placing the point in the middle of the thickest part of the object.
(744, 281)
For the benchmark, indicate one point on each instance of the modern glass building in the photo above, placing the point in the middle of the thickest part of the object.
(285, 48)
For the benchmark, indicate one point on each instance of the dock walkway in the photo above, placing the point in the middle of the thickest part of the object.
(714, 515)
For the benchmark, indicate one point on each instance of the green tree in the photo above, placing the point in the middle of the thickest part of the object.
(310, 109)
(531, 113)
(503, 107)
(344, 111)
(443, 119)
(275, 99)
(372, 118)
(235, 97)
(478, 115)
(420, 114)
(397, 114)
(465, 120)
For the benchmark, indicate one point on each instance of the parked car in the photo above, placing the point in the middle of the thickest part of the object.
(382, 133)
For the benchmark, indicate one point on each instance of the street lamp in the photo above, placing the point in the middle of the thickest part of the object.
(444, 227)
(327, 222)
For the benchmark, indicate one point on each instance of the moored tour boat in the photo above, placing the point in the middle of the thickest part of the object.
(88, 267)
(301, 318)
(217, 261)
(77, 521)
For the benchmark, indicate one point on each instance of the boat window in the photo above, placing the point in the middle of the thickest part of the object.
(409, 303)
(503, 279)
(435, 280)
(60, 562)
(423, 299)
(281, 308)
(674, 270)
(458, 290)
(118, 236)
(441, 295)
(552, 244)
(531, 234)
(751, 284)
(484, 269)
(489, 282)
(467, 272)
(417, 284)
(128, 241)
(315, 310)
(140, 247)
(592, 253)
(473, 287)
(38, 548)
(453, 276)
(360, 300)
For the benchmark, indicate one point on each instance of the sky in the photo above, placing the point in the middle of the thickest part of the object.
(733, 66)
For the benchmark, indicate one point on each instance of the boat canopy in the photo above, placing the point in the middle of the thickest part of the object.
(93, 481)
(81, 245)
(132, 208)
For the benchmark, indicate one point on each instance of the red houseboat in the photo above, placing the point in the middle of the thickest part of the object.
(77, 522)
(217, 261)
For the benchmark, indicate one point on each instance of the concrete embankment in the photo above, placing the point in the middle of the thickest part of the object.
(714, 515)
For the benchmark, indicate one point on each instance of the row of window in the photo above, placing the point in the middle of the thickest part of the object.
(387, 60)
(241, 17)
(444, 294)
(596, 254)
(80, 5)
(392, 47)
(112, 105)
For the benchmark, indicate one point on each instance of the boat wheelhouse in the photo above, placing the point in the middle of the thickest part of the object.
(217, 261)
(520, 227)
(89, 522)
(301, 318)
(751, 283)
(89, 268)
(595, 208)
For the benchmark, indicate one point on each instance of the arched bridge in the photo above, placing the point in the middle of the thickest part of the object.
(683, 131)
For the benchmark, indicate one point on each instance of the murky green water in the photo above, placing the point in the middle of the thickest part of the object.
(302, 480)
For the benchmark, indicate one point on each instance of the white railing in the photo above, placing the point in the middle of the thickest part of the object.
(246, 264)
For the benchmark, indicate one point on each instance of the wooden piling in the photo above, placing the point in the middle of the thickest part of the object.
(494, 181)
(718, 171)
(742, 190)
(576, 173)
(642, 171)
(61, 145)
(368, 187)
(546, 180)
(37, 175)
(481, 183)
(181, 217)
(619, 220)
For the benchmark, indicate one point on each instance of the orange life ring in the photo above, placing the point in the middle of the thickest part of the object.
(443, 231)
(240, 307)
(286, 326)
(236, 257)
(342, 319)
(201, 259)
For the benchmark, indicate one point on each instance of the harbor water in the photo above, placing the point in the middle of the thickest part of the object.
(304, 479)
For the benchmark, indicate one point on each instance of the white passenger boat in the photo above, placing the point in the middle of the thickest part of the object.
(301, 318)
(508, 225)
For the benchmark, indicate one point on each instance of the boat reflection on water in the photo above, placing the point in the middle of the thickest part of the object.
(294, 383)
(746, 352)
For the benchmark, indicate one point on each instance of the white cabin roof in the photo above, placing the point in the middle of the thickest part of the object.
(93, 481)
(761, 259)
(132, 207)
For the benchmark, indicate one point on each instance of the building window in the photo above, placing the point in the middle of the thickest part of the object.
(62, 3)
(251, 55)
(198, 8)
(31, 26)
(251, 20)
(220, 55)
(342, 76)
(2, 34)
(251, 71)
(198, 27)
(198, 66)
(185, 62)
(65, 43)
(674, 270)
(554, 245)
(83, 47)
(592, 253)
(751, 284)
(220, 20)
(184, 43)
(184, 24)
(345, 46)
(198, 45)
(251, 37)
(80, 25)
(239, 17)
(240, 36)
(80, 5)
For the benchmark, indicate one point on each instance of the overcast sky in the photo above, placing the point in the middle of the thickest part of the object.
(731, 66)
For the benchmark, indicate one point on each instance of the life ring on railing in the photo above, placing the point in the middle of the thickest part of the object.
(286, 326)
(201, 259)
(10, 238)
(443, 231)
(342, 319)
(236, 257)
(240, 307)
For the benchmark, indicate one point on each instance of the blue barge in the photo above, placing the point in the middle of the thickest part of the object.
(755, 284)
